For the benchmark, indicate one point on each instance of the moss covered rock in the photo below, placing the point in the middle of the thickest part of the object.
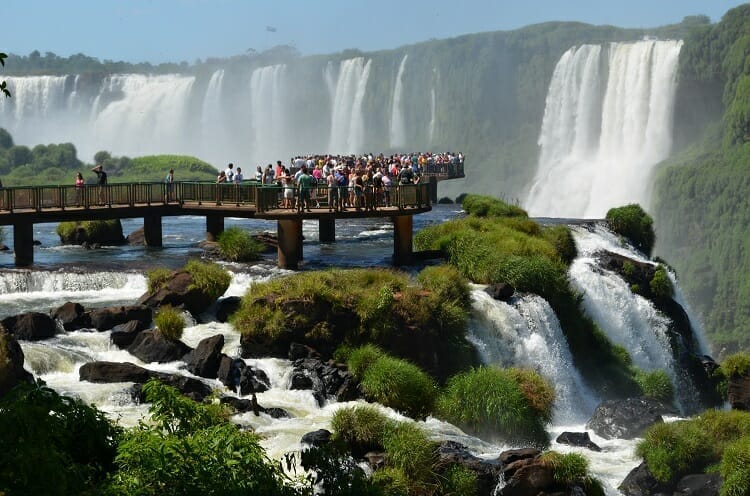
(102, 232)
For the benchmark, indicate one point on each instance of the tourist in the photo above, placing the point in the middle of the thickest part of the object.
(229, 173)
(221, 178)
(79, 189)
(169, 181)
(287, 186)
(238, 176)
(101, 181)
(333, 191)
(343, 184)
(387, 189)
(259, 174)
(305, 182)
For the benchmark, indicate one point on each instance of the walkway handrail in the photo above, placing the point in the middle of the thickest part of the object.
(250, 194)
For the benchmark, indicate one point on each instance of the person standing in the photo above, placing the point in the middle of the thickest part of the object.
(169, 182)
(229, 172)
(79, 188)
(238, 176)
(305, 182)
(101, 181)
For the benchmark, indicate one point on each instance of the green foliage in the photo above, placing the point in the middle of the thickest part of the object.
(360, 359)
(561, 237)
(737, 364)
(485, 206)
(539, 393)
(99, 231)
(189, 448)
(672, 450)
(656, 384)
(572, 469)
(735, 468)
(393, 481)
(491, 402)
(411, 451)
(332, 469)
(238, 245)
(361, 427)
(459, 481)
(660, 285)
(72, 444)
(157, 278)
(170, 323)
(208, 277)
(632, 222)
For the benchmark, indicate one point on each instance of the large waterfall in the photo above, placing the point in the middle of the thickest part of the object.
(398, 127)
(607, 122)
(347, 120)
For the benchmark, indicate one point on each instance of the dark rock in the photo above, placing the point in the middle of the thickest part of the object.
(226, 307)
(151, 346)
(253, 380)
(36, 242)
(178, 291)
(242, 405)
(107, 372)
(4, 247)
(327, 380)
(123, 335)
(297, 351)
(317, 438)
(487, 471)
(528, 477)
(500, 291)
(188, 386)
(301, 381)
(641, 482)
(137, 237)
(70, 316)
(578, 439)
(224, 373)
(31, 326)
(276, 413)
(699, 485)
(738, 392)
(509, 456)
(627, 418)
(104, 319)
(204, 360)
(13, 372)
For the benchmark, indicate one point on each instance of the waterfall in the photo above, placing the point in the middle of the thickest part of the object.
(267, 110)
(607, 123)
(398, 127)
(213, 124)
(347, 121)
(431, 125)
(526, 333)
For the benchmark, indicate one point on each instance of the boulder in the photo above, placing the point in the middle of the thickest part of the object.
(327, 379)
(11, 363)
(738, 392)
(150, 346)
(242, 405)
(317, 438)
(500, 291)
(204, 360)
(528, 477)
(509, 456)
(70, 315)
(487, 471)
(102, 232)
(641, 482)
(104, 319)
(226, 307)
(178, 291)
(31, 326)
(137, 237)
(108, 372)
(627, 418)
(297, 351)
(699, 485)
(123, 335)
(581, 439)
(252, 380)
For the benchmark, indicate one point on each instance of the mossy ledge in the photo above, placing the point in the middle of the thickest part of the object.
(422, 320)
(103, 232)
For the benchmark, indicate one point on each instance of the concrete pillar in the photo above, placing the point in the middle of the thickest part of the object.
(214, 227)
(290, 243)
(23, 244)
(152, 230)
(433, 190)
(402, 239)
(327, 229)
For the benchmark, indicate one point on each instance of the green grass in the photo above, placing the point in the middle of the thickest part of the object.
(411, 451)
(459, 481)
(572, 469)
(170, 323)
(736, 365)
(485, 206)
(157, 278)
(656, 384)
(104, 230)
(735, 468)
(632, 222)
(358, 360)
(362, 427)
(209, 277)
(237, 245)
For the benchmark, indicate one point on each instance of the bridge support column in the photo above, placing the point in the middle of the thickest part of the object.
(327, 230)
(290, 243)
(214, 227)
(402, 239)
(433, 189)
(152, 230)
(23, 244)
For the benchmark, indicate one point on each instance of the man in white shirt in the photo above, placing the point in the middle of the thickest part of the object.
(229, 172)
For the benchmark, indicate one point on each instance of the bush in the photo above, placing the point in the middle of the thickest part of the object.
(735, 468)
(656, 384)
(632, 222)
(411, 451)
(736, 365)
(447, 284)
(660, 285)
(362, 427)
(486, 206)
(572, 469)
(537, 390)
(561, 237)
(490, 402)
(209, 278)
(360, 359)
(459, 481)
(170, 323)
(94, 231)
(237, 245)
(157, 278)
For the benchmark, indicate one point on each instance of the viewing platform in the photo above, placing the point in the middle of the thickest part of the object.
(22, 207)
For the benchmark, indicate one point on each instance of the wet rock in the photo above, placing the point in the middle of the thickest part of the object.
(297, 351)
(641, 482)
(108, 372)
(123, 335)
(738, 392)
(178, 291)
(501, 291)
(137, 237)
(581, 439)
(487, 471)
(225, 307)
(253, 380)
(242, 405)
(188, 386)
(13, 372)
(70, 316)
(205, 359)
(528, 477)
(104, 319)
(699, 485)
(150, 346)
(509, 456)
(327, 380)
(317, 438)
(31, 326)
(627, 418)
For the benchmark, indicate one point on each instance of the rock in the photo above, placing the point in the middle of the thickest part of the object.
(297, 351)
(738, 392)
(107, 232)
(31, 326)
(204, 360)
(150, 346)
(528, 477)
(641, 482)
(108, 372)
(509, 456)
(137, 237)
(225, 373)
(500, 291)
(4, 247)
(325, 379)
(276, 413)
(226, 307)
(253, 380)
(627, 418)
(36, 242)
(123, 335)
(317, 438)
(487, 471)
(188, 386)
(581, 439)
(242, 405)
(70, 315)
(699, 485)
(104, 319)
(178, 291)
(11, 372)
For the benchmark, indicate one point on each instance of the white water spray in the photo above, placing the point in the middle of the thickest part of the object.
(347, 121)
(398, 127)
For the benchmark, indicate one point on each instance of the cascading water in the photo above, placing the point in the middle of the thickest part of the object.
(268, 109)
(347, 120)
(607, 122)
(213, 125)
(526, 333)
(398, 127)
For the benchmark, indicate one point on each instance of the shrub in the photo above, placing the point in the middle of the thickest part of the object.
(100, 231)
(459, 481)
(572, 469)
(736, 365)
(561, 237)
(400, 385)
(237, 245)
(537, 390)
(486, 206)
(632, 222)
(360, 359)
(393, 481)
(489, 401)
(170, 323)
(447, 284)
(157, 278)
(656, 384)
(735, 468)
(209, 278)
(660, 285)
(361, 427)
(411, 451)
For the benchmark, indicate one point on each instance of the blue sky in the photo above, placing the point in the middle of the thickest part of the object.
(176, 30)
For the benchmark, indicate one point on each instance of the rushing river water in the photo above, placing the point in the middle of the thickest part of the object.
(524, 332)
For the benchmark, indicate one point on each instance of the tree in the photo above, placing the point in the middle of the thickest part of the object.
(3, 84)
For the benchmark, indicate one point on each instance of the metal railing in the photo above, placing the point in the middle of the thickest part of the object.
(263, 198)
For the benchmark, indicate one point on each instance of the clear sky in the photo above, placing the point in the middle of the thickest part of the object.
(184, 30)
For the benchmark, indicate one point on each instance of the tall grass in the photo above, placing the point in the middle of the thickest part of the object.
(656, 384)
(208, 277)
(238, 245)
(632, 222)
(170, 323)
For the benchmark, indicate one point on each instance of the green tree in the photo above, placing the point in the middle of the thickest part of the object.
(3, 84)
